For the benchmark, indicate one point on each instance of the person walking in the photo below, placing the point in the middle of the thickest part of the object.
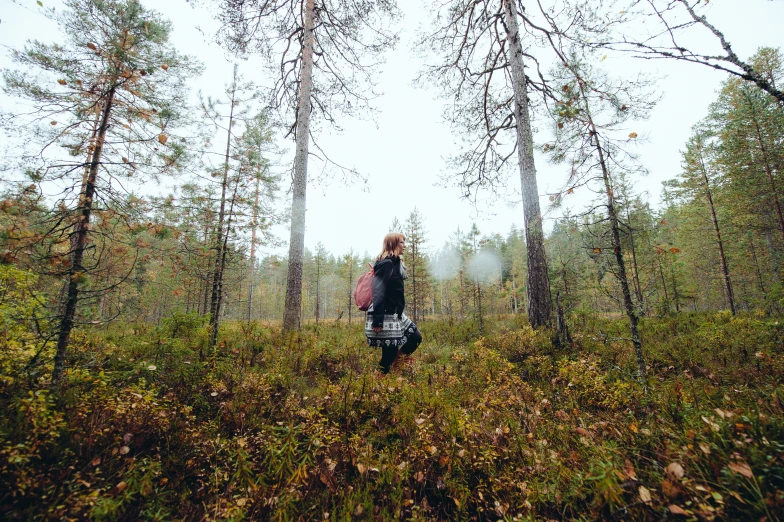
(386, 326)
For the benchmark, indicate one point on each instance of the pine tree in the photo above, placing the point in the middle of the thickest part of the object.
(111, 94)
(418, 285)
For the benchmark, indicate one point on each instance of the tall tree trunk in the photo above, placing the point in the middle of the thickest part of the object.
(538, 287)
(252, 261)
(222, 266)
(292, 312)
(217, 274)
(204, 278)
(631, 313)
(79, 243)
(637, 286)
(318, 290)
(724, 268)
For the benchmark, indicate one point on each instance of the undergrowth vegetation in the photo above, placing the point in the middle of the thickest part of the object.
(153, 426)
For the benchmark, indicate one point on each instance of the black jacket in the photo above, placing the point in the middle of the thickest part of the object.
(388, 297)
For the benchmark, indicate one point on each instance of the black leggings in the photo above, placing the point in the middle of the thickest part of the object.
(389, 353)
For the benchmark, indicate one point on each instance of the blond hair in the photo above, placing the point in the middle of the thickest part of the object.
(391, 245)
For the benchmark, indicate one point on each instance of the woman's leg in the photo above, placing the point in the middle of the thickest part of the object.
(388, 356)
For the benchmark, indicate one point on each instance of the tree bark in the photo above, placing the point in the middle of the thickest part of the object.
(252, 260)
(292, 312)
(79, 244)
(217, 275)
(318, 289)
(538, 285)
(642, 371)
(635, 268)
(724, 268)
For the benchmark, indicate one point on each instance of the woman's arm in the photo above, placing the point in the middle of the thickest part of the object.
(380, 280)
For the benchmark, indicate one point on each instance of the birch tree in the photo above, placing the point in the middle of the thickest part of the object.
(324, 55)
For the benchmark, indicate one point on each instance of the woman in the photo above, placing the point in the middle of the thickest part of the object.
(387, 327)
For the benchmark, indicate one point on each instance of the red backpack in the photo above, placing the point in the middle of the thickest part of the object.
(363, 293)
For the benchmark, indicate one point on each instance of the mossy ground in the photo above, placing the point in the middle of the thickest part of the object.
(152, 426)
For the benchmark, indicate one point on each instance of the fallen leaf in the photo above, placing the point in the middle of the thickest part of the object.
(676, 510)
(121, 486)
(629, 470)
(96, 461)
(165, 67)
(361, 468)
(675, 470)
(669, 489)
(359, 510)
(741, 468)
(162, 139)
(419, 421)
(633, 135)
(62, 82)
(581, 431)
(705, 448)
(645, 495)
(715, 427)
(419, 476)
(124, 450)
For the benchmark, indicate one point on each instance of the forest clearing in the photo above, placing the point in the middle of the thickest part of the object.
(183, 337)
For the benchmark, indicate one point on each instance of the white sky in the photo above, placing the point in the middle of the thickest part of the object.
(403, 155)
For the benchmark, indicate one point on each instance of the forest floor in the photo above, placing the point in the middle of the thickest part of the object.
(151, 426)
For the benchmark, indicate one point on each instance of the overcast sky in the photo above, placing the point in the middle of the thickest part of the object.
(403, 152)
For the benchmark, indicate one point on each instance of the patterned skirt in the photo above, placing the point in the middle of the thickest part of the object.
(396, 331)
